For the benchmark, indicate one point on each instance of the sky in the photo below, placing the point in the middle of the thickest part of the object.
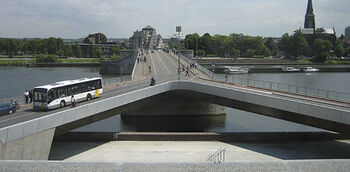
(120, 18)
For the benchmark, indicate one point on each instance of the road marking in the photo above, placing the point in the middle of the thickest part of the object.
(171, 59)
(164, 64)
(155, 71)
(18, 117)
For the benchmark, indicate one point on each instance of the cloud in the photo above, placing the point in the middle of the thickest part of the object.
(119, 18)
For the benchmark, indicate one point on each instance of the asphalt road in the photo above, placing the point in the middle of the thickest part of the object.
(163, 69)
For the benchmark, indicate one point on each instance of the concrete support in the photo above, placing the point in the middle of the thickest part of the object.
(33, 147)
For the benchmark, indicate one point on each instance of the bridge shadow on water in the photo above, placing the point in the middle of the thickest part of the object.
(171, 123)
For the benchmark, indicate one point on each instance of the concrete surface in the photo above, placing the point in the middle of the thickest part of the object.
(310, 113)
(288, 166)
(196, 151)
(32, 147)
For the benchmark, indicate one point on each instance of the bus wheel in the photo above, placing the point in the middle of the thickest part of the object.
(88, 97)
(62, 104)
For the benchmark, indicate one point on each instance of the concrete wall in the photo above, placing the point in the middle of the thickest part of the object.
(283, 166)
(125, 65)
(32, 147)
(325, 116)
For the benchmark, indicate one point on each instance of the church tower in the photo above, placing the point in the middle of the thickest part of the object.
(309, 16)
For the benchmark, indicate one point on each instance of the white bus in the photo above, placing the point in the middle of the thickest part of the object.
(59, 94)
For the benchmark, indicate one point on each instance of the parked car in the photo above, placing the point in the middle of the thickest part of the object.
(7, 108)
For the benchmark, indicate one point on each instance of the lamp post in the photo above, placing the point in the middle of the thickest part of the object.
(178, 30)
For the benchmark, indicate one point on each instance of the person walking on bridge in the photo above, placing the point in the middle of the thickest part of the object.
(26, 96)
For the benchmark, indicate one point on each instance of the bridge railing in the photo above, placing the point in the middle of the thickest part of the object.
(106, 82)
(116, 80)
(286, 88)
(201, 68)
(18, 99)
(218, 156)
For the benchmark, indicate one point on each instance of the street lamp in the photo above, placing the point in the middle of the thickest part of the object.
(178, 30)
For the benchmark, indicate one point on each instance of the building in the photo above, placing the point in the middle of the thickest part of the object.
(310, 31)
(147, 38)
(347, 33)
(309, 17)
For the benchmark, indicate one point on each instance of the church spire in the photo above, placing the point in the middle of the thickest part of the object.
(310, 9)
(309, 16)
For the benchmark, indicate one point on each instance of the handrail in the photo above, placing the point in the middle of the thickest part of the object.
(200, 67)
(106, 82)
(218, 156)
(287, 88)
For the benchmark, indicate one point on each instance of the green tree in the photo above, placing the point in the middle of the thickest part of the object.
(250, 52)
(77, 50)
(115, 50)
(271, 45)
(115, 57)
(321, 49)
(284, 44)
(339, 50)
(200, 53)
(60, 53)
(298, 44)
(69, 51)
(99, 53)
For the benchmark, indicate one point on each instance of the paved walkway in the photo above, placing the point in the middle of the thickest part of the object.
(196, 151)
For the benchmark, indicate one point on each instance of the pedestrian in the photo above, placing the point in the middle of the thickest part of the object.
(73, 101)
(30, 96)
(26, 96)
(187, 74)
(144, 59)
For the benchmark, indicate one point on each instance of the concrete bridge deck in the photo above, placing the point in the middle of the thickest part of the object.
(329, 116)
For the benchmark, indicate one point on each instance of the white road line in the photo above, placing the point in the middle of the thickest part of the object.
(171, 59)
(164, 64)
(155, 71)
(18, 117)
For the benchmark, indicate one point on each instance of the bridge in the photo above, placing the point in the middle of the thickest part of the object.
(28, 134)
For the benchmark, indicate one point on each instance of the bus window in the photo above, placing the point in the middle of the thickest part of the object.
(52, 95)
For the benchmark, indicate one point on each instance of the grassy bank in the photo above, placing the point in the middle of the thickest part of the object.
(76, 60)
(12, 62)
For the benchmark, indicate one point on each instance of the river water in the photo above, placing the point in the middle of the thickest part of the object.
(15, 80)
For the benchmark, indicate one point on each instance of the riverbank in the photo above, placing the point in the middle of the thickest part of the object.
(263, 61)
(62, 62)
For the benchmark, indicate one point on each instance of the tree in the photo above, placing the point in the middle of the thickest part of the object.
(115, 57)
(250, 52)
(321, 49)
(115, 50)
(271, 45)
(60, 53)
(339, 50)
(200, 53)
(284, 44)
(69, 51)
(77, 50)
(298, 44)
(99, 53)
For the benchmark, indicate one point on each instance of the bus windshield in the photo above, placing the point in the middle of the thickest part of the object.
(40, 95)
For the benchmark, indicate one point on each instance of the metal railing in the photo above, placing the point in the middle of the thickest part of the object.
(200, 67)
(106, 82)
(287, 88)
(218, 156)
(116, 80)
(18, 99)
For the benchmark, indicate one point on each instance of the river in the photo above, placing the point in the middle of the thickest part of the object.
(15, 80)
